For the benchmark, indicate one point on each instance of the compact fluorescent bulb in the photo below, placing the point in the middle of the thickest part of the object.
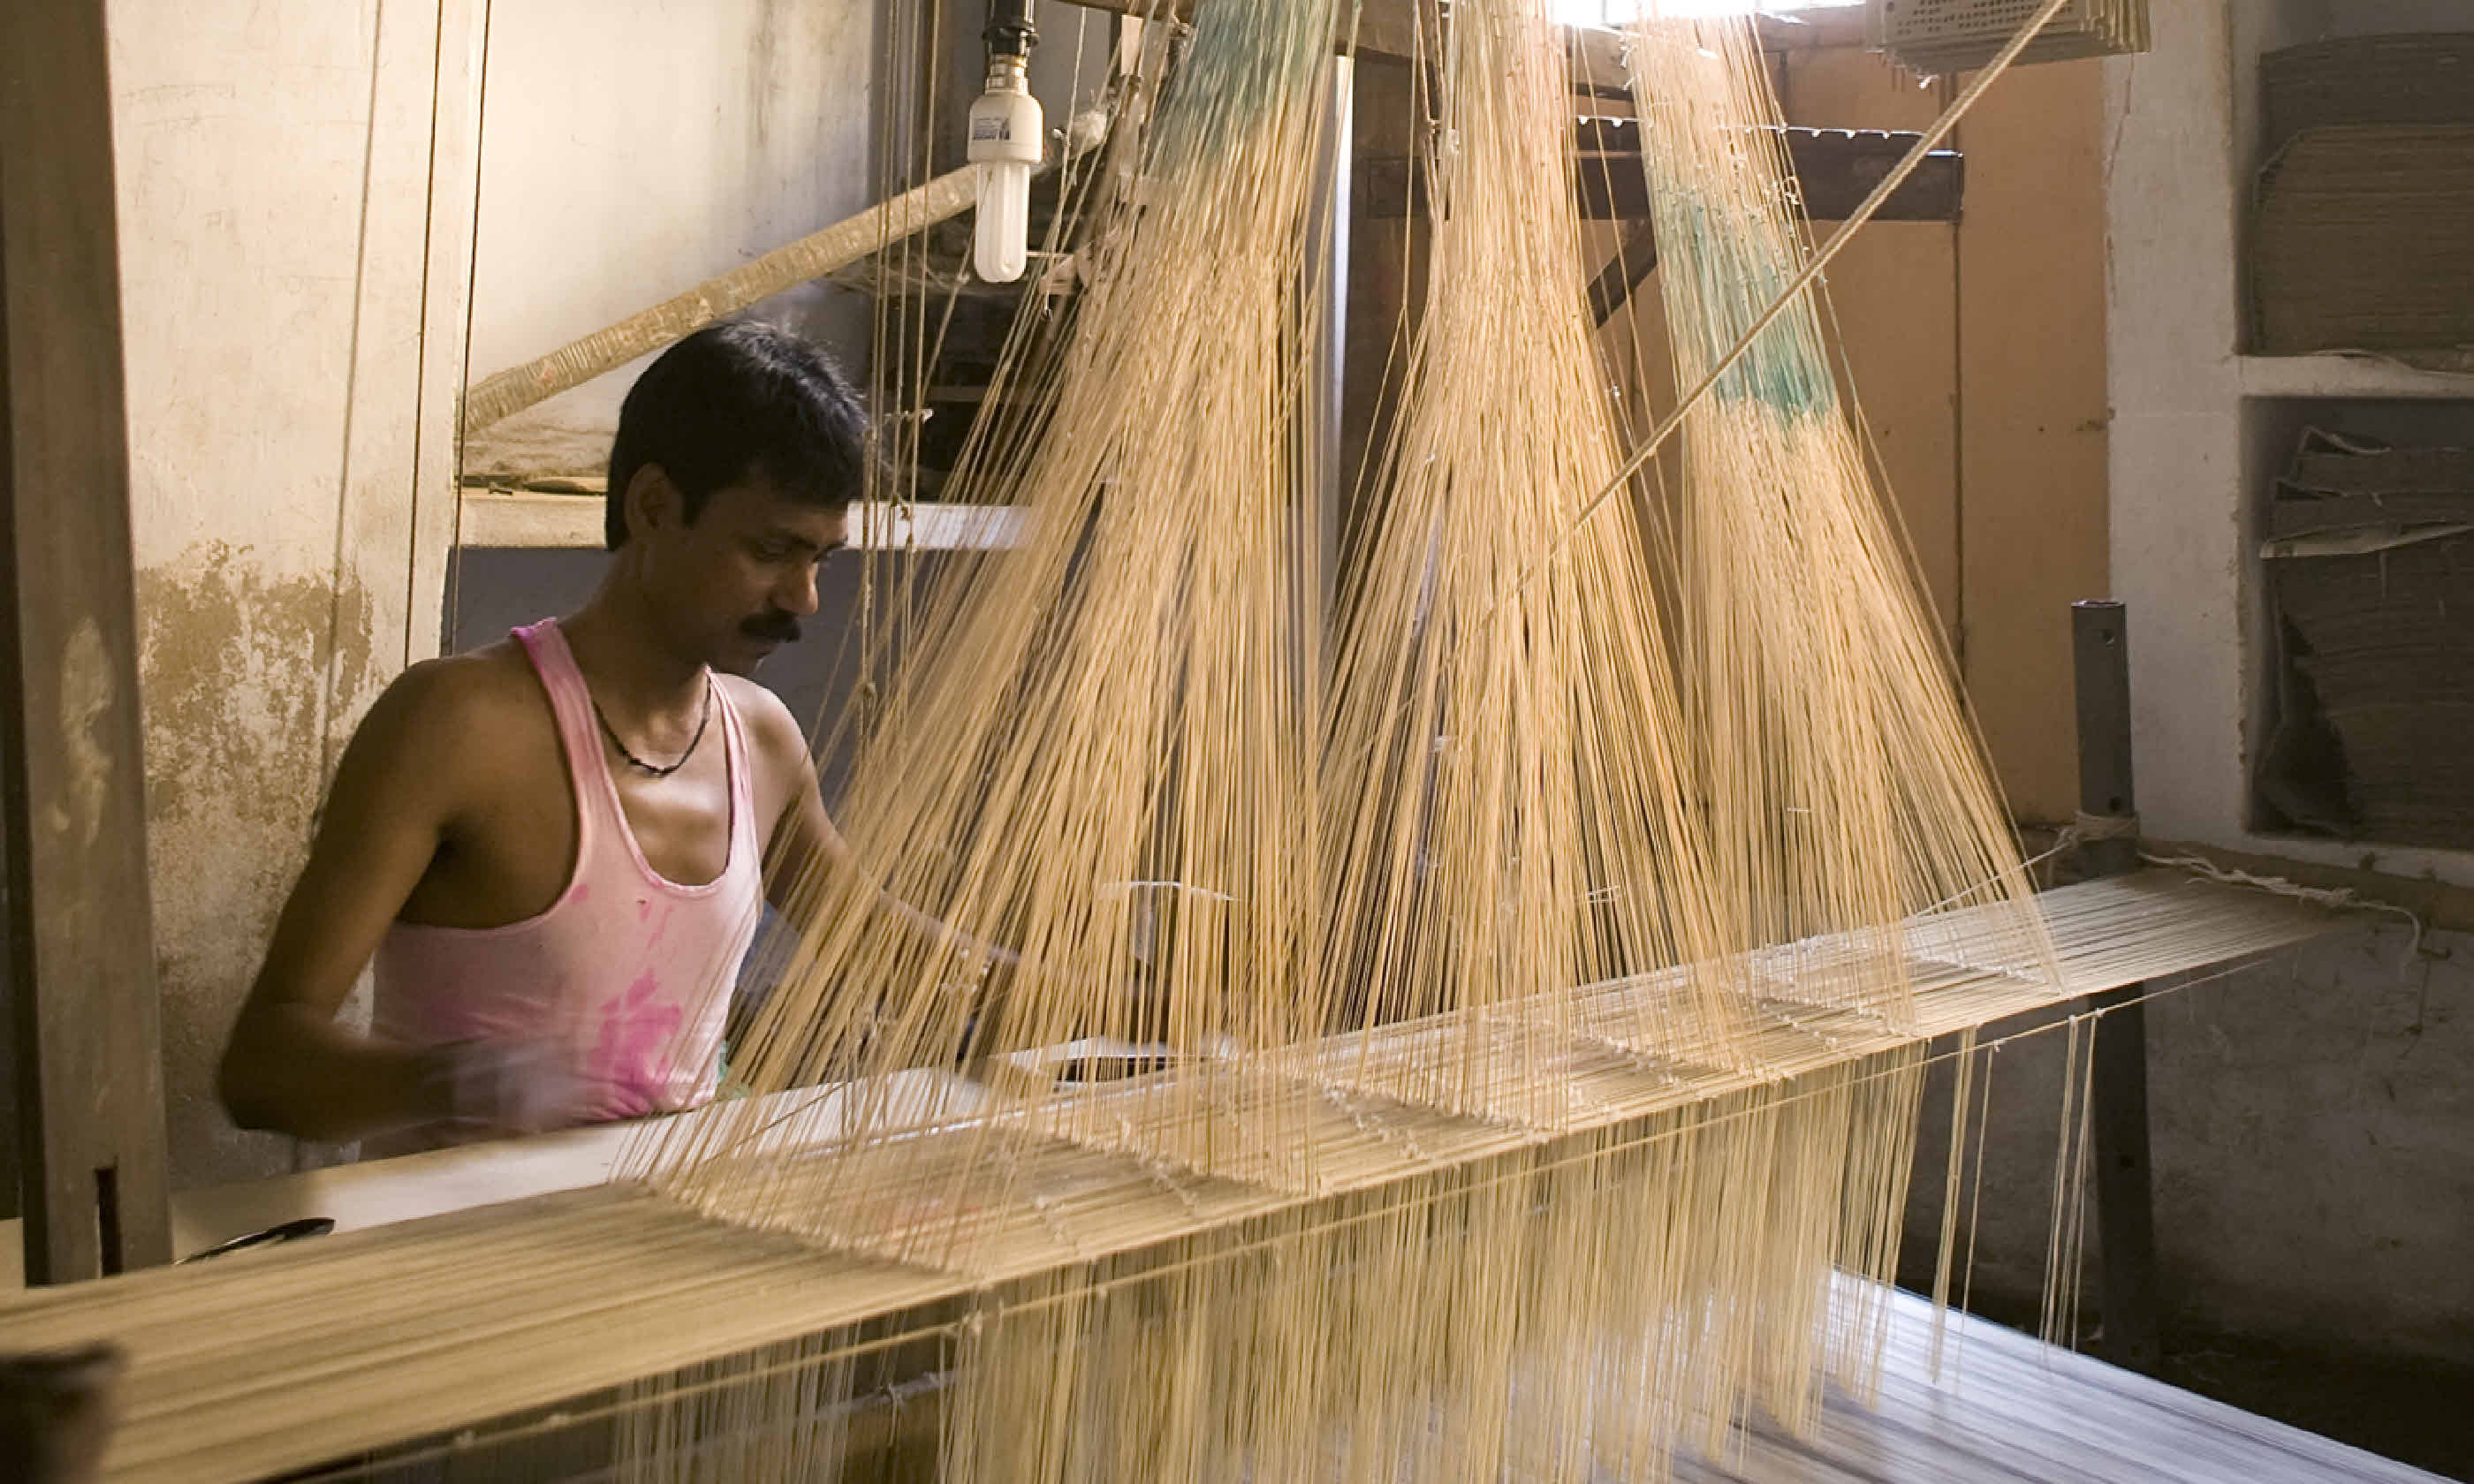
(1007, 134)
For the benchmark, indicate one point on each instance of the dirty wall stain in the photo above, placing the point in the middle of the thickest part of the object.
(250, 681)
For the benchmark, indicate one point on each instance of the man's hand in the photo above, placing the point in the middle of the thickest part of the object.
(507, 1087)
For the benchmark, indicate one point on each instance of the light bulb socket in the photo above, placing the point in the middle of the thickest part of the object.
(1006, 126)
(1010, 32)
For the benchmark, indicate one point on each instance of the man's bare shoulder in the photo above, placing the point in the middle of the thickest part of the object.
(447, 724)
(446, 737)
(454, 692)
(784, 771)
(771, 730)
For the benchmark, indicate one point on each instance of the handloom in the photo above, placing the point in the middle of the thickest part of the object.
(300, 1356)
(1549, 938)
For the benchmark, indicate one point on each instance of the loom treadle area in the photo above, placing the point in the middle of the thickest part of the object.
(346, 1341)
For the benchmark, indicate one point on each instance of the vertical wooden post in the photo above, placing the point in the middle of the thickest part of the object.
(80, 946)
(1382, 281)
(2118, 1109)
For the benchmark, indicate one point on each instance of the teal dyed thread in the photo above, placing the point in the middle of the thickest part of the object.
(1736, 280)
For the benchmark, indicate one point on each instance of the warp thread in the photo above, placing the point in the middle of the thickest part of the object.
(2338, 897)
(2086, 828)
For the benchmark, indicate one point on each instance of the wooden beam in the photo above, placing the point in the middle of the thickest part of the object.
(1387, 30)
(1836, 169)
(1634, 260)
(1384, 29)
(1383, 291)
(80, 950)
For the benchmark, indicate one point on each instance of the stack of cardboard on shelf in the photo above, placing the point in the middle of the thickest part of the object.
(2370, 561)
(2362, 234)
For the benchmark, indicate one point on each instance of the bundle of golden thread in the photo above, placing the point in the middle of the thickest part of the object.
(1678, 736)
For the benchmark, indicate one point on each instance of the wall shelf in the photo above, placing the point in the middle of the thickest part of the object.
(2453, 868)
(2200, 430)
(2344, 376)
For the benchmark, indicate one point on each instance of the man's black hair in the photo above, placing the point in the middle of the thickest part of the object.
(736, 400)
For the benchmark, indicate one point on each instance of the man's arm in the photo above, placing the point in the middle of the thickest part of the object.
(289, 1067)
(806, 848)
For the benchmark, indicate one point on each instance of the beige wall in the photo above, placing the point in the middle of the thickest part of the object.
(633, 149)
(285, 335)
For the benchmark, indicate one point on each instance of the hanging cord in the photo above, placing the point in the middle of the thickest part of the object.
(2085, 828)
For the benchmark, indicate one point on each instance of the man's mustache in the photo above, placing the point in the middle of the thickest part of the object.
(773, 628)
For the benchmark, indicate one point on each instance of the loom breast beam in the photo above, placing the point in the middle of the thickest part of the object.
(2126, 1196)
(285, 1357)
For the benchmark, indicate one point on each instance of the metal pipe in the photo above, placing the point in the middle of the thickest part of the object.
(2117, 1083)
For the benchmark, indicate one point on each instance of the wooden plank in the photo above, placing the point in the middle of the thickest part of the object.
(1387, 30)
(2002, 1405)
(80, 950)
(572, 522)
(386, 1192)
(358, 1362)
(2032, 417)
(1598, 52)
(1837, 168)
(1598, 68)
(1635, 259)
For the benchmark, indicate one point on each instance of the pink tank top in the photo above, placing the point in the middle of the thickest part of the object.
(631, 971)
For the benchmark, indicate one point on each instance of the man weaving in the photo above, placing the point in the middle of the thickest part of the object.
(552, 851)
